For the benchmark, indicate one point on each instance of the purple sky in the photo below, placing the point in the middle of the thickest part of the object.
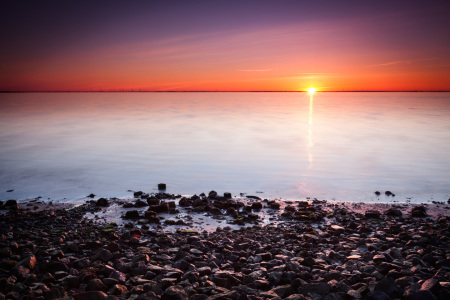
(225, 45)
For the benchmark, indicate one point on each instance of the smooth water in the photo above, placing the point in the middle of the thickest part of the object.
(333, 146)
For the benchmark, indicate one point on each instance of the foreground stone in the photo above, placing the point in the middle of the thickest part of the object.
(58, 254)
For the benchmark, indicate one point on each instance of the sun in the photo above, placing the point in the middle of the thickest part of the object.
(312, 90)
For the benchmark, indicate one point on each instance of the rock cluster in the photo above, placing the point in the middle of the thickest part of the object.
(340, 254)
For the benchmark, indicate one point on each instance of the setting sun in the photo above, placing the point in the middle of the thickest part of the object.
(312, 90)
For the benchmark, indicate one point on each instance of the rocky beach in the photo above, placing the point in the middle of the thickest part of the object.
(164, 246)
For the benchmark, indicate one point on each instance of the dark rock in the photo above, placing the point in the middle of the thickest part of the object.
(253, 197)
(138, 194)
(388, 193)
(118, 289)
(257, 205)
(96, 285)
(319, 288)
(419, 211)
(274, 205)
(372, 214)
(227, 195)
(215, 211)
(102, 202)
(153, 201)
(431, 285)
(377, 193)
(393, 212)
(161, 208)
(174, 293)
(90, 195)
(90, 296)
(28, 262)
(103, 255)
(140, 203)
(162, 186)
(308, 261)
(388, 286)
(377, 295)
(131, 214)
(11, 203)
(421, 295)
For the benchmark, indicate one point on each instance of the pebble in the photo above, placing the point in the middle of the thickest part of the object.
(58, 253)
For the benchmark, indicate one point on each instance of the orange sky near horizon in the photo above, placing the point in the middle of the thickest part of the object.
(348, 49)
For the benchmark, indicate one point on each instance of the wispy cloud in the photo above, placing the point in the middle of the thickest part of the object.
(397, 62)
(392, 63)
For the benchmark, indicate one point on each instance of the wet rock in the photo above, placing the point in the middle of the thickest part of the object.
(256, 205)
(102, 202)
(212, 194)
(419, 211)
(393, 212)
(140, 203)
(227, 195)
(274, 205)
(372, 214)
(131, 214)
(138, 194)
(161, 208)
(9, 204)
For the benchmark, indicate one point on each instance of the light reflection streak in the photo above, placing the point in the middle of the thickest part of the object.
(310, 131)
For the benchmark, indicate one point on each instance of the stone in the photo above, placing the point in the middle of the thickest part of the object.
(102, 202)
(319, 288)
(431, 285)
(90, 296)
(256, 205)
(174, 293)
(421, 295)
(118, 289)
(162, 186)
(11, 204)
(419, 211)
(393, 212)
(131, 214)
(372, 214)
(96, 285)
(388, 286)
(103, 255)
(28, 262)
(377, 295)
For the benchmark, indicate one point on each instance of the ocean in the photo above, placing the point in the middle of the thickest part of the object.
(335, 146)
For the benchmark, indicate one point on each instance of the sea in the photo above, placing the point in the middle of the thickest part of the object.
(334, 146)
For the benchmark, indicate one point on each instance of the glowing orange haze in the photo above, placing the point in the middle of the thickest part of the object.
(330, 56)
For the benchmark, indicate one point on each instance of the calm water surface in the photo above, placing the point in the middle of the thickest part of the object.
(334, 146)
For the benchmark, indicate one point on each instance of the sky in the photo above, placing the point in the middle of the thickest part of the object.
(281, 45)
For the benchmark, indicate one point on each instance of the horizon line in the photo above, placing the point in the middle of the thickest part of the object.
(202, 91)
